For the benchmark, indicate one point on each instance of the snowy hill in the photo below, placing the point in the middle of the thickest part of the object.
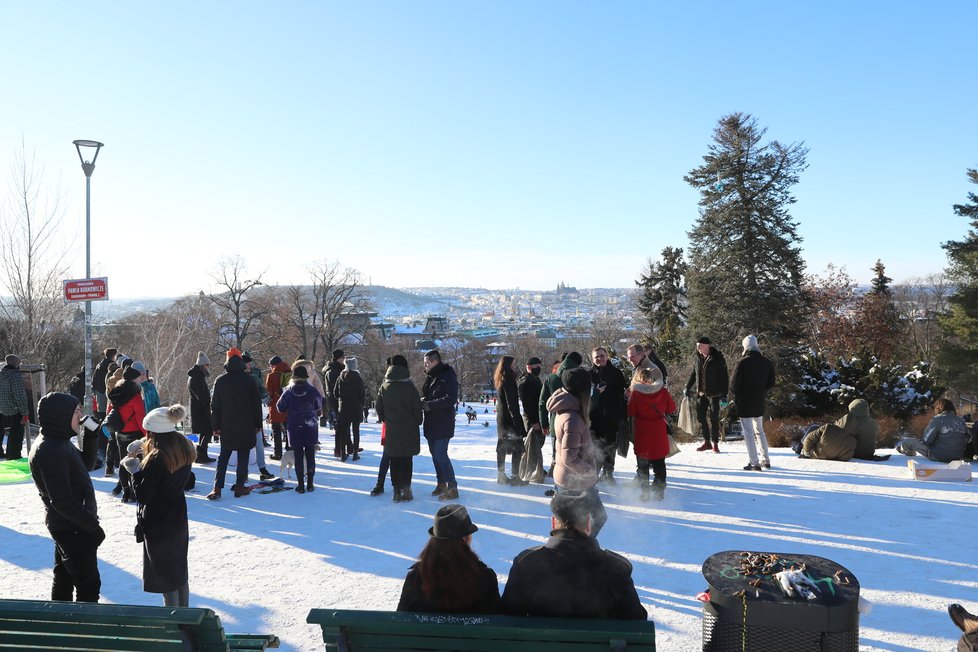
(263, 561)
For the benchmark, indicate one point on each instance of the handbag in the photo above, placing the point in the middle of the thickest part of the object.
(673, 447)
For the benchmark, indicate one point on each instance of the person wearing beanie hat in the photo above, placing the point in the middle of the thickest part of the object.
(126, 398)
(708, 383)
(574, 467)
(439, 396)
(301, 403)
(331, 373)
(448, 576)
(607, 410)
(71, 511)
(236, 417)
(278, 377)
(753, 377)
(233, 352)
(399, 411)
(550, 385)
(399, 360)
(351, 394)
(14, 409)
(571, 576)
(200, 406)
(529, 387)
(159, 480)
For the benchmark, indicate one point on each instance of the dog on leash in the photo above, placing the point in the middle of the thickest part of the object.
(286, 464)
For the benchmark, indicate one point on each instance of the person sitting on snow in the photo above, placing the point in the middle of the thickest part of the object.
(944, 439)
(856, 439)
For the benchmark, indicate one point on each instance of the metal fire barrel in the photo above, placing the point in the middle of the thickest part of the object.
(748, 610)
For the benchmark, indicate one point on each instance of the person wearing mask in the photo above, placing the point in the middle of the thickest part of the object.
(14, 411)
(302, 404)
(529, 387)
(438, 398)
(510, 431)
(160, 468)
(399, 410)
(708, 383)
(70, 509)
(200, 405)
(127, 399)
(350, 394)
(449, 578)
(575, 467)
(236, 415)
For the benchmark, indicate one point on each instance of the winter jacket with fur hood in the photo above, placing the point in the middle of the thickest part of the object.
(649, 404)
(127, 399)
(574, 467)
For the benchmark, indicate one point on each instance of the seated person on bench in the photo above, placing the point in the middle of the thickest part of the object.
(945, 437)
(571, 576)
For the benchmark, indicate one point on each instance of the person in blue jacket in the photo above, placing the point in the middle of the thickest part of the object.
(301, 402)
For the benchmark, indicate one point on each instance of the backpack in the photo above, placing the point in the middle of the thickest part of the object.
(286, 379)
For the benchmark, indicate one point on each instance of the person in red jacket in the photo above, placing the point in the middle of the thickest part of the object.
(274, 386)
(649, 403)
(126, 398)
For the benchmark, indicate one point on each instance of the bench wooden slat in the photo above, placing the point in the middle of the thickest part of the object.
(27, 640)
(369, 642)
(244, 642)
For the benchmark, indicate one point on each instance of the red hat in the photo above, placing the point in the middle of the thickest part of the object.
(233, 352)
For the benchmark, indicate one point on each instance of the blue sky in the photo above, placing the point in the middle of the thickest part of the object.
(503, 144)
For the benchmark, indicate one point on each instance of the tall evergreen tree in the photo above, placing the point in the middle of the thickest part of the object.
(881, 282)
(959, 357)
(877, 319)
(663, 301)
(746, 270)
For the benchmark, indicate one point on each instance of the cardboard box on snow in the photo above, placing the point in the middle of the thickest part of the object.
(958, 471)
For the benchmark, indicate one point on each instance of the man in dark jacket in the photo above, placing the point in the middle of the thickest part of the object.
(529, 386)
(571, 576)
(98, 382)
(14, 411)
(71, 513)
(608, 409)
(644, 356)
(752, 378)
(438, 398)
(707, 384)
(331, 372)
(236, 416)
(200, 405)
(551, 384)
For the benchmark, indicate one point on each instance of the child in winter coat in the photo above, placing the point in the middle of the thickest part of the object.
(648, 404)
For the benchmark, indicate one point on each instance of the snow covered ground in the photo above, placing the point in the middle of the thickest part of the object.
(263, 561)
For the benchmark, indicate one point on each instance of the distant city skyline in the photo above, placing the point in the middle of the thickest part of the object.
(498, 145)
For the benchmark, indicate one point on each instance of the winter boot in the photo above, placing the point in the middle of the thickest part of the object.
(716, 449)
(264, 474)
(407, 495)
(646, 493)
(310, 487)
(658, 489)
(501, 477)
(214, 494)
(299, 489)
(439, 489)
(449, 494)
(397, 495)
(356, 457)
(704, 447)
(377, 490)
(240, 491)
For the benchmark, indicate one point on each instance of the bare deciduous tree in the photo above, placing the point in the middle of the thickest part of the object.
(240, 311)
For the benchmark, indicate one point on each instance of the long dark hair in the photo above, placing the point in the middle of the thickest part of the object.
(504, 371)
(449, 569)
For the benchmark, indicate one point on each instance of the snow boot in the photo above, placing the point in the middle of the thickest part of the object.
(449, 494)
(397, 495)
(310, 487)
(214, 494)
(299, 489)
(356, 457)
(716, 449)
(658, 489)
(240, 491)
(406, 496)
(704, 447)
(501, 477)
(377, 490)
(439, 489)
(646, 495)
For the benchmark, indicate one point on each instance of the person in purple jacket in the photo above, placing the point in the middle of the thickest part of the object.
(301, 403)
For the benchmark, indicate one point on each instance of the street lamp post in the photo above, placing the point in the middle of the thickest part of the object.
(88, 167)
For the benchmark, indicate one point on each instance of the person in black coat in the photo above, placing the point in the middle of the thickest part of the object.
(571, 576)
(236, 417)
(331, 373)
(98, 382)
(510, 430)
(200, 406)
(529, 387)
(438, 398)
(351, 394)
(752, 378)
(159, 482)
(77, 385)
(448, 576)
(70, 510)
(708, 383)
(608, 409)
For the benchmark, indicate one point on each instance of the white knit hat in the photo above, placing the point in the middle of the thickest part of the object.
(164, 419)
(202, 358)
(750, 343)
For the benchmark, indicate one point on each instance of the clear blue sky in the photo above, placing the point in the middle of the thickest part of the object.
(494, 144)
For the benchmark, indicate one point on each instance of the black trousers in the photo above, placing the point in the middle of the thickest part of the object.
(76, 574)
(385, 465)
(15, 435)
(658, 468)
(711, 404)
(277, 438)
(123, 439)
(402, 470)
(606, 445)
(344, 424)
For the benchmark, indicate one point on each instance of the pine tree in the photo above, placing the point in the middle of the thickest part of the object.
(663, 301)
(881, 282)
(877, 319)
(959, 357)
(746, 269)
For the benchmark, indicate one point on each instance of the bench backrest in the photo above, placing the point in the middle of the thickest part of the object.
(91, 626)
(348, 630)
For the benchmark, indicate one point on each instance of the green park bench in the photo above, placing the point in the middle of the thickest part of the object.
(357, 631)
(38, 624)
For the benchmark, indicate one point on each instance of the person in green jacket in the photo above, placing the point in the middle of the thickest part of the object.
(399, 409)
(550, 385)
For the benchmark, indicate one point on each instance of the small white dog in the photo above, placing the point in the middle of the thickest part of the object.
(286, 464)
